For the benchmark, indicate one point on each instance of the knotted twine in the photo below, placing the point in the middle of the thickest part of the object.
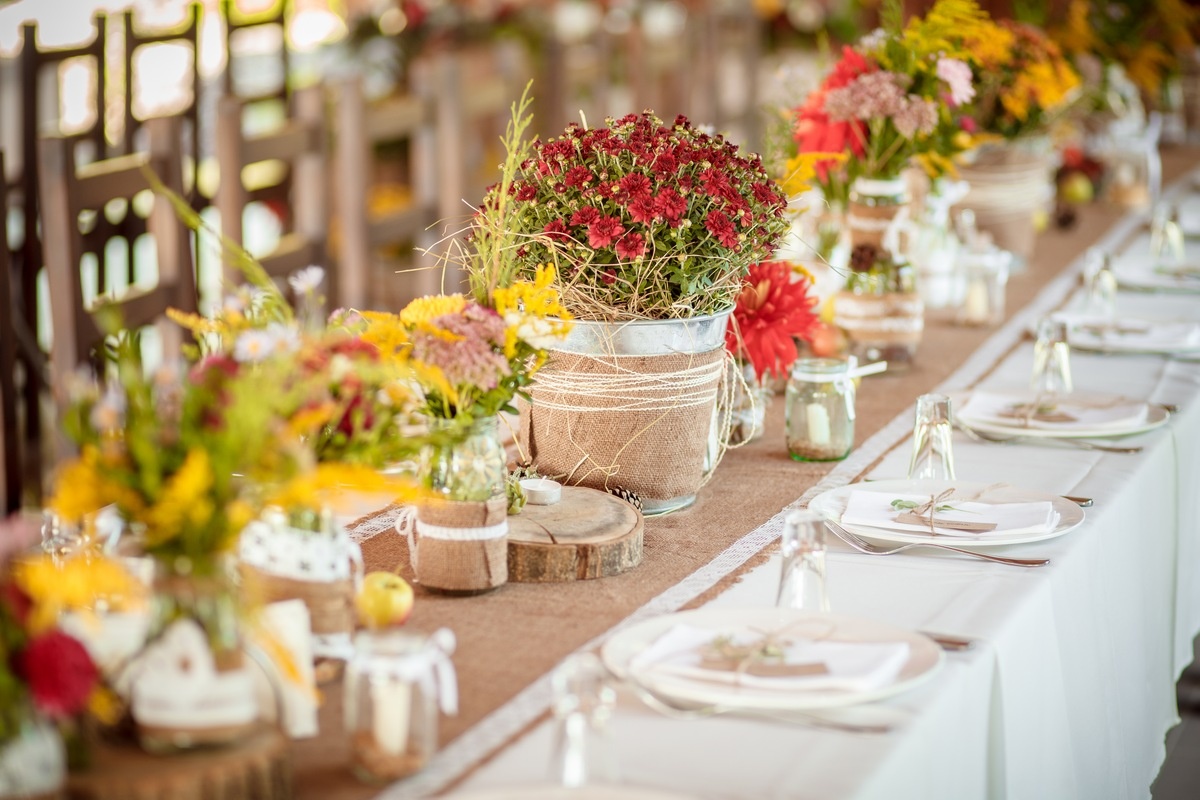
(458, 546)
(641, 423)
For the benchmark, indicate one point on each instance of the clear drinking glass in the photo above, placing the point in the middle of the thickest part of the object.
(1099, 285)
(1166, 235)
(583, 703)
(933, 453)
(985, 278)
(1051, 360)
(802, 580)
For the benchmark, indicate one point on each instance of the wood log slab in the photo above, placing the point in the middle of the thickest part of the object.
(588, 534)
(257, 768)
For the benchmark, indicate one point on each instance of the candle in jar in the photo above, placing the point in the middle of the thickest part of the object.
(391, 710)
(817, 418)
(975, 308)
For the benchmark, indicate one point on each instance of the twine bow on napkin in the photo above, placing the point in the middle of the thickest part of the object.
(925, 514)
(1038, 411)
(764, 657)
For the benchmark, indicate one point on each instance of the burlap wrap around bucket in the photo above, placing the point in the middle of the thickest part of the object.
(607, 418)
(1008, 187)
(460, 547)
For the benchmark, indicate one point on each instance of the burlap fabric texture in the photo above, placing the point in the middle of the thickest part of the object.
(465, 565)
(643, 434)
(330, 603)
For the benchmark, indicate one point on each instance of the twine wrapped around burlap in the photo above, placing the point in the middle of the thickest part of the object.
(638, 422)
(458, 547)
(871, 224)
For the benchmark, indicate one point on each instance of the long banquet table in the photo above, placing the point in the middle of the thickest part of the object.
(1068, 693)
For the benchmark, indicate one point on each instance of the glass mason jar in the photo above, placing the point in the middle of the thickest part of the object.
(193, 689)
(395, 684)
(473, 469)
(748, 409)
(33, 763)
(820, 410)
(879, 309)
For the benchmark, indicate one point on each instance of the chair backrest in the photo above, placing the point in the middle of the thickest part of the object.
(68, 190)
(301, 143)
(235, 21)
(135, 40)
(10, 436)
(474, 90)
(405, 123)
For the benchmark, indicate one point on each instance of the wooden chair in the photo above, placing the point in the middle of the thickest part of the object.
(474, 91)
(11, 444)
(405, 123)
(36, 64)
(301, 143)
(69, 190)
(235, 21)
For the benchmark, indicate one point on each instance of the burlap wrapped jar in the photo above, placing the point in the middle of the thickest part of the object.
(456, 546)
(630, 405)
(880, 312)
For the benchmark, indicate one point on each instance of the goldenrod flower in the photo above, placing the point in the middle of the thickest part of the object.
(186, 502)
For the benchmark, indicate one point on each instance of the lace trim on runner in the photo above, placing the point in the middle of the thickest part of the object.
(498, 728)
(372, 525)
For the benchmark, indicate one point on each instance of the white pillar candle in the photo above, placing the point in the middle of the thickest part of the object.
(391, 712)
(818, 423)
(975, 308)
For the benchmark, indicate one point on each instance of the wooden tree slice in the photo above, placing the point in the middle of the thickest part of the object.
(587, 534)
(258, 767)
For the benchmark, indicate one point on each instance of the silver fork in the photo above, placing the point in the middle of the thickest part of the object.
(692, 712)
(863, 546)
(997, 438)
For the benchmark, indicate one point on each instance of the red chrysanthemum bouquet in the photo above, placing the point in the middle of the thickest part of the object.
(774, 309)
(644, 220)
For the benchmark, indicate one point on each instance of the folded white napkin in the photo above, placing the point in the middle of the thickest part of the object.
(874, 509)
(1135, 266)
(1130, 334)
(838, 666)
(1095, 413)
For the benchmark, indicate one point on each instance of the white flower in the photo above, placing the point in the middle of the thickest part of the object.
(340, 367)
(957, 76)
(307, 280)
(538, 333)
(873, 40)
(253, 346)
(284, 338)
(234, 303)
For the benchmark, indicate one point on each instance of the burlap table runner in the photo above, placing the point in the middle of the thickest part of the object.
(510, 637)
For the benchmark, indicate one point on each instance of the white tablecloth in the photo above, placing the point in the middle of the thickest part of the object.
(1070, 690)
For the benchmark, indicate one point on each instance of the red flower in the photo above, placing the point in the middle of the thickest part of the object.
(609, 277)
(60, 674)
(15, 603)
(578, 176)
(715, 183)
(635, 186)
(355, 346)
(722, 229)
(643, 210)
(585, 216)
(631, 247)
(771, 312)
(604, 232)
(526, 192)
(556, 230)
(671, 206)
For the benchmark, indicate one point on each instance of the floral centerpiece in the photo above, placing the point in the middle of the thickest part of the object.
(642, 219)
(50, 687)
(651, 228)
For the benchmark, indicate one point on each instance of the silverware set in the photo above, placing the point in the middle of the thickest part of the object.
(863, 546)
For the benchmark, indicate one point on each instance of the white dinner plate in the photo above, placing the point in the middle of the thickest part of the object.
(830, 505)
(924, 656)
(1155, 416)
(615, 792)
(1081, 339)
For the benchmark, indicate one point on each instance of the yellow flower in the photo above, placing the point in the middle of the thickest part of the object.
(801, 169)
(990, 45)
(533, 311)
(105, 705)
(424, 310)
(77, 585)
(386, 332)
(327, 484)
(1076, 35)
(308, 420)
(935, 164)
(185, 503)
(82, 488)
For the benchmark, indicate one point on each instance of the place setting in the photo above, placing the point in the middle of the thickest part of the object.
(1162, 257)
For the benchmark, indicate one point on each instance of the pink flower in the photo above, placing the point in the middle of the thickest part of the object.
(631, 247)
(556, 230)
(957, 76)
(604, 231)
(968, 124)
